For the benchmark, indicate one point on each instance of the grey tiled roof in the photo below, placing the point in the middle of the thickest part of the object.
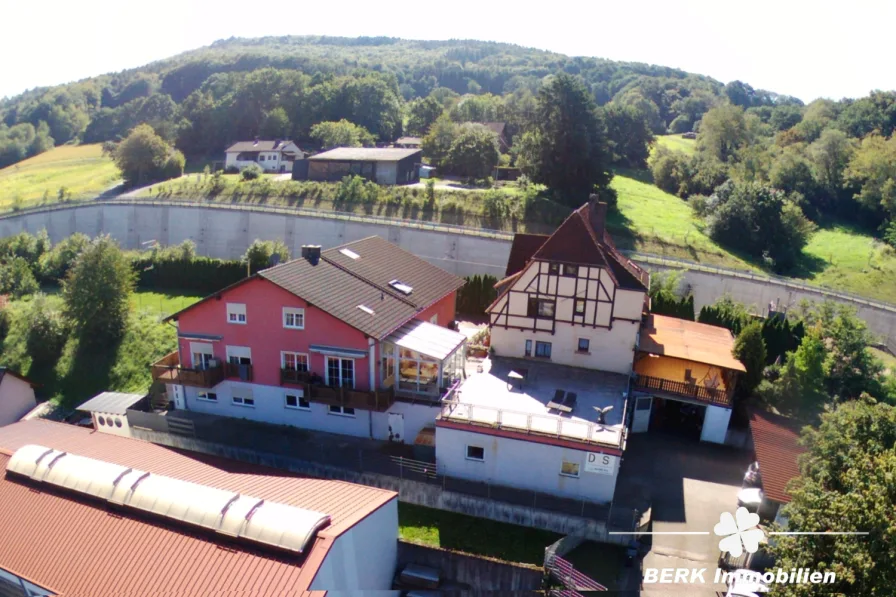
(366, 154)
(381, 262)
(340, 293)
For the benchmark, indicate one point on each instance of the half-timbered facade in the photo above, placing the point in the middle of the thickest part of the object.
(576, 301)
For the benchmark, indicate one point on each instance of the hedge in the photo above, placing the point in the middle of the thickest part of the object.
(201, 274)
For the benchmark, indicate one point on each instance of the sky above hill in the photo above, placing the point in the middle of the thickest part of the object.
(793, 47)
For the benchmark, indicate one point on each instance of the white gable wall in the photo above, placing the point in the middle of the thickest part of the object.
(16, 399)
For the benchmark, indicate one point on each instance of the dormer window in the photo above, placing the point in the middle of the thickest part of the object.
(401, 287)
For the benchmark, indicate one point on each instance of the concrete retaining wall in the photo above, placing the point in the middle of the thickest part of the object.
(479, 574)
(413, 492)
(225, 231)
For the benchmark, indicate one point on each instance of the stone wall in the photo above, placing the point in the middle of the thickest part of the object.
(472, 572)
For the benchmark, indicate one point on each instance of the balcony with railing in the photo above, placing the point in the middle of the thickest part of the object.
(316, 391)
(682, 389)
(169, 371)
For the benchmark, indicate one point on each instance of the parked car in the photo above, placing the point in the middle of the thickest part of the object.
(745, 583)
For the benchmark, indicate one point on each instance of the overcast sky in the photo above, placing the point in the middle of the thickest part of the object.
(807, 49)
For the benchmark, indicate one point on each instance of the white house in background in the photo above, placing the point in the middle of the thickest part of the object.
(273, 156)
(16, 396)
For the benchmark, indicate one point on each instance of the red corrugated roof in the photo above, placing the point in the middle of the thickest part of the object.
(71, 546)
(775, 441)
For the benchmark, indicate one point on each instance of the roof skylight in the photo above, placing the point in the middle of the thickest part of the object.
(401, 287)
(349, 253)
(366, 309)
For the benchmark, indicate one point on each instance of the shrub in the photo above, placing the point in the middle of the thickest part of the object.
(759, 220)
(46, 332)
(476, 295)
(251, 172)
(17, 279)
(890, 234)
(230, 170)
(260, 254)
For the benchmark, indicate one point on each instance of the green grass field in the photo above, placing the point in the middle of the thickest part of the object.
(837, 257)
(162, 303)
(469, 534)
(82, 170)
(676, 143)
(886, 358)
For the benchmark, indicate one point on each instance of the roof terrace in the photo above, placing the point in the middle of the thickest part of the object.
(541, 400)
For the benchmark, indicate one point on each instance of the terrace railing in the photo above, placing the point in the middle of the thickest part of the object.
(683, 389)
(168, 370)
(532, 423)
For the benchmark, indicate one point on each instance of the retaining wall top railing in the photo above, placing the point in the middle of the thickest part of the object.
(635, 256)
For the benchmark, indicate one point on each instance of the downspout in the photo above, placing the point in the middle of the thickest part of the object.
(371, 349)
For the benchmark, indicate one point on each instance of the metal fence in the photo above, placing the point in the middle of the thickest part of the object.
(365, 456)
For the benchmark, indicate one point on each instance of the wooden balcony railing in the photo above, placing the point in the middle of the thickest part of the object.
(684, 389)
(236, 371)
(168, 370)
(291, 376)
(365, 400)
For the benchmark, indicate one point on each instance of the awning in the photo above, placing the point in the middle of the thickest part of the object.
(426, 338)
(335, 351)
(206, 337)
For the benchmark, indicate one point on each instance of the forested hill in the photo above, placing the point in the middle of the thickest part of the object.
(237, 88)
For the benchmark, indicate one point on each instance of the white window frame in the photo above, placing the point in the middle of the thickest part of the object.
(236, 313)
(243, 401)
(327, 379)
(578, 472)
(201, 349)
(300, 397)
(341, 411)
(295, 312)
(283, 354)
(204, 397)
(473, 458)
(238, 352)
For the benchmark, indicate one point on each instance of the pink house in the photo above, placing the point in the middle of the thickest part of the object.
(336, 340)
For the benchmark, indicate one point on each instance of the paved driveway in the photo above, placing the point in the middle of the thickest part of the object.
(688, 484)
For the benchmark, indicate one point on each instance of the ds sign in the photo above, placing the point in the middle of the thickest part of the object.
(602, 464)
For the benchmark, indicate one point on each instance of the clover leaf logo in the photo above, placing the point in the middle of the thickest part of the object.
(739, 534)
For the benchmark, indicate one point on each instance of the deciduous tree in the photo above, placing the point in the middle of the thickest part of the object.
(144, 157)
(341, 134)
(847, 483)
(97, 291)
(474, 151)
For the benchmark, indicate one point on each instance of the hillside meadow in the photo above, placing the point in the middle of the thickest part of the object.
(76, 170)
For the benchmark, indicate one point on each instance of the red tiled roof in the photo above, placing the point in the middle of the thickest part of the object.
(576, 241)
(71, 546)
(775, 441)
(521, 251)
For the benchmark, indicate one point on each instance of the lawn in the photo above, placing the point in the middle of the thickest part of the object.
(847, 259)
(677, 143)
(162, 304)
(82, 170)
(886, 358)
(837, 257)
(653, 221)
(469, 534)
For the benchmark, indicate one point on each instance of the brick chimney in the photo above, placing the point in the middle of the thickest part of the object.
(597, 211)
